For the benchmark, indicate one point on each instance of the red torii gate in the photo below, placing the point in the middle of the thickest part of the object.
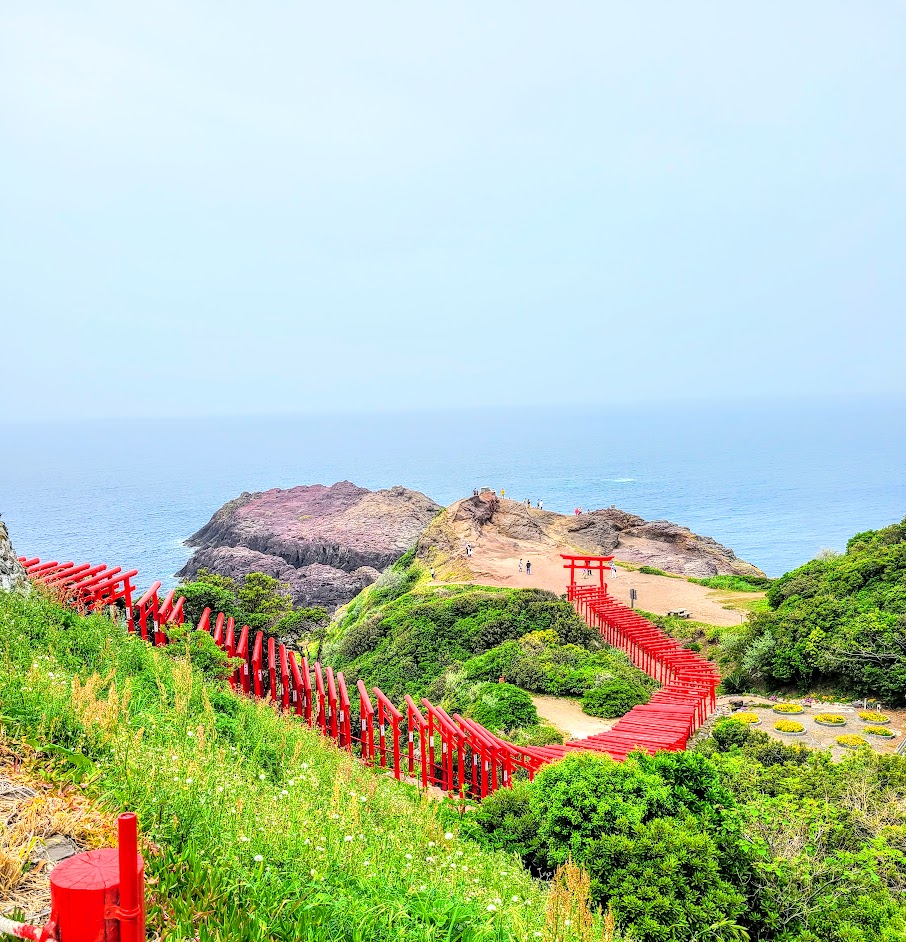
(591, 563)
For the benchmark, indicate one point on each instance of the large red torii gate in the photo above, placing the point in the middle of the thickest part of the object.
(591, 563)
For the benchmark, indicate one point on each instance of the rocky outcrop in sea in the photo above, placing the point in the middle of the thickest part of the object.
(328, 543)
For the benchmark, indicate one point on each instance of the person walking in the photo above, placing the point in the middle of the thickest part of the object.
(520, 565)
(528, 568)
(613, 568)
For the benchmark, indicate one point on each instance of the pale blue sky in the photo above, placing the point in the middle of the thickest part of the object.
(234, 207)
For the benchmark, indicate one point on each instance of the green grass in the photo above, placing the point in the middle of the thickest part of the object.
(735, 583)
(259, 830)
(654, 571)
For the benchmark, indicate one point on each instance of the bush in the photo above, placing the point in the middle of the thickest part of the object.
(735, 583)
(500, 706)
(652, 571)
(839, 620)
(613, 698)
(635, 827)
(541, 735)
(729, 732)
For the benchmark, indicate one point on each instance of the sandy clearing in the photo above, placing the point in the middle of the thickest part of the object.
(495, 561)
(566, 714)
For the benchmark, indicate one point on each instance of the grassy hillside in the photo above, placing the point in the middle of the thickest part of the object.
(258, 830)
(838, 621)
(406, 636)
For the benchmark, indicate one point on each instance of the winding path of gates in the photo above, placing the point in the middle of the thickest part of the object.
(417, 740)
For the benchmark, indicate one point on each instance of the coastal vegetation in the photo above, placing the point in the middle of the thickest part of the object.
(254, 828)
(839, 622)
(451, 642)
(258, 600)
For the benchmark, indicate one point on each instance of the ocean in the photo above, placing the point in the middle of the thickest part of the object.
(776, 482)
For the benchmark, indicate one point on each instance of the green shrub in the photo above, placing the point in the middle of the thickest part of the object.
(634, 827)
(735, 583)
(500, 706)
(730, 732)
(652, 571)
(838, 621)
(613, 698)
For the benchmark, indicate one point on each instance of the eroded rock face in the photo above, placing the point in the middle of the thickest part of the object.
(658, 543)
(328, 543)
(12, 575)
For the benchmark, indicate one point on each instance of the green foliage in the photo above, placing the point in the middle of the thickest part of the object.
(839, 620)
(746, 837)
(405, 637)
(735, 583)
(260, 601)
(613, 698)
(498, 706)
(652, 571)
(638, 828)
(264, 599)
(258, 831)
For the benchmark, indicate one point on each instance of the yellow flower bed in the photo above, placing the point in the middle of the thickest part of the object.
(788, 708)
(788, 726)
(830, 719)
(869, 716)
(878, 731)
(745, 717)
(851, 741)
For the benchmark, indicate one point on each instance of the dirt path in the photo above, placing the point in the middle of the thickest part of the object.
(566, 714)
(495, 561)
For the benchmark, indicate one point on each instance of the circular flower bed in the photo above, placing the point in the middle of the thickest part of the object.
(788, 708)
(830, 719)
(790, 727)
(851, 741)
(752, 719)
(878, 731)
(876, 719)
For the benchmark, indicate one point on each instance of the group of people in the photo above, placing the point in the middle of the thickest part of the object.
(528, 567)
(539, 504)
(578, 511)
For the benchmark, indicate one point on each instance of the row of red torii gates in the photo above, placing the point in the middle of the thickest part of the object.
(416, 740)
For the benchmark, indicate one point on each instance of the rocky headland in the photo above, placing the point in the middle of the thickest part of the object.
(508, 526)
(328, 543)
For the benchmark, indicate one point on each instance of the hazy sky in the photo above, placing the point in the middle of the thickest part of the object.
(272, 206)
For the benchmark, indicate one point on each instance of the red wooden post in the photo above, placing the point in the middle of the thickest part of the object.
(242, 651)
(332, 703)
(345, 710)
(272, 668)
(89, 891)
(284, 679)
(366, 723)
(306, 681)
(257, 655)
(319, 684)
(204, 623)
(218, 629)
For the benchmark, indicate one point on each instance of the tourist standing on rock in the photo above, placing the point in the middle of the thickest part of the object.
(528, 567)
(502, 493)
(541, 505)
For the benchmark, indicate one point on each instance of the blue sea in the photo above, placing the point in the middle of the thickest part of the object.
(776, 482)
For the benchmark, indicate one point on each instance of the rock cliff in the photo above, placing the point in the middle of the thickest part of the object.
(12, 575)
(328, 543)
(630, 538)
